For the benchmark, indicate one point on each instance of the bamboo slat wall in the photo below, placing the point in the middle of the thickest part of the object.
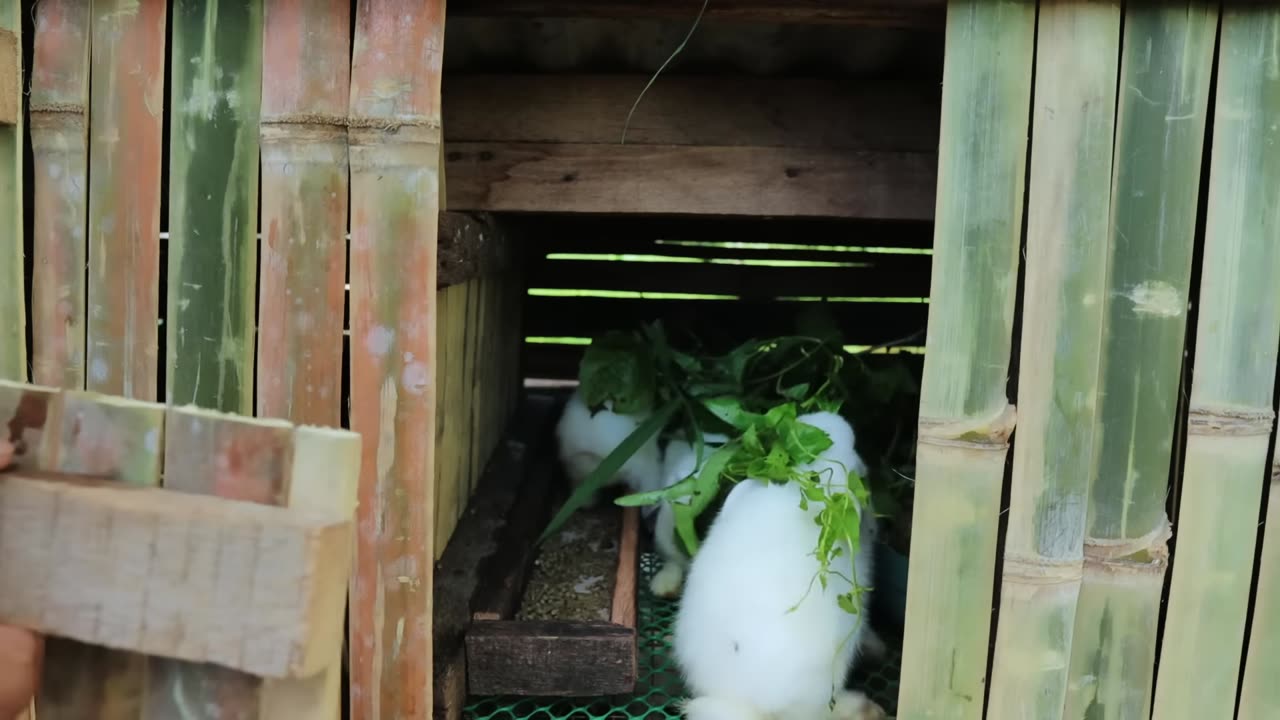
(235, 342)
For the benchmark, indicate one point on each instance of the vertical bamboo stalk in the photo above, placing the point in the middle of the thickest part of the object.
(1230, 416)
(213, 202)
(1259, 692)
(1077, 53)
(13, 310)
(306, 84)
(59, 127)
(122, 438)
(965, 417)
(395, 155)
(126, 109)
(1164, 87)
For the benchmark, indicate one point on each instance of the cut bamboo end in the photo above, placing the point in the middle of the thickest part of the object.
(991, 433)
(1235, 422)
(1033, 571)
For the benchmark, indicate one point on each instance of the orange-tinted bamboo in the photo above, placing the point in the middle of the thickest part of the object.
(395, 154)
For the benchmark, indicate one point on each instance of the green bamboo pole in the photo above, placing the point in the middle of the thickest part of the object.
(213, 202)
(1163, 104)
(395, 156)
(13, 310)
(1230, 417)
(59, 127)
(1260, 693)
(1077, 53)
(965, 417)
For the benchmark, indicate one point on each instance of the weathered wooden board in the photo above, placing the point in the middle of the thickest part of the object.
(892, 13)
(550, 659)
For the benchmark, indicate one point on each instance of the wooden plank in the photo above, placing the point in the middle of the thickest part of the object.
(59, 144)
(510, 658)
(395, 155)
(242, 459)
(471, 245)
(693, 110)
(126, 110)
(687, 250)
(623, 610)
(888, 13)
(306, 85)
(273, 573)
(693, 180)
(122, 440)
(25, 411)
(213, 203)
(13, 311)
(501, 577)
(450, 439)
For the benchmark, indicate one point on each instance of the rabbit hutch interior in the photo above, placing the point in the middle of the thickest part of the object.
(672, 328)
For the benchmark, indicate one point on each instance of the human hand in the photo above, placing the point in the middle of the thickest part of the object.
(21, 651)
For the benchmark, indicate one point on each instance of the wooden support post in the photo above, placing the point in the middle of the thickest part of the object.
(395, 154)
(13, 312)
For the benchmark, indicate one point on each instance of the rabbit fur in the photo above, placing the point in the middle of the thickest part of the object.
(680, 460)
(585, 439)
(744, 656)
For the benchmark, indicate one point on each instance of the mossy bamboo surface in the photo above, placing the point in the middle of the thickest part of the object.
(13, 310)
(213, 202)
(1230, 416)
(1163, 99)
(1259, 692)
(59, 124)
(127, 116)
(99, 435)
(306, 85)
(395, 154)
(1077, 53)
(965, 416)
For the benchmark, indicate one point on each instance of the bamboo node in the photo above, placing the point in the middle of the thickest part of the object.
(1032, 570)
(1151, 549)
(305, 119)
(990, 433)
(1229, 422)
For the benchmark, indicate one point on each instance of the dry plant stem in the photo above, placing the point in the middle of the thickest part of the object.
(59, 123)
(1230, 418)
(1163, 104)
(965, 417)
(395, 154)
(1259, 692)
(13, 311)
(1069, 197)
(127, 110)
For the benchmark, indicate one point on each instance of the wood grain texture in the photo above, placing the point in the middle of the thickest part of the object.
(693, 110)
(13, 312)
(59, 123)
(695, 180)
(890, 13)
(623, 610)
(139, 568)
(126, 106)
(471, 245)
(301, 290)
(511, 658)
(394, 121)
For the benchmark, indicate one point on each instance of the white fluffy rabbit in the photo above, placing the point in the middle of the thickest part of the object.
(678, 463)
(743, 655)
(585, 440)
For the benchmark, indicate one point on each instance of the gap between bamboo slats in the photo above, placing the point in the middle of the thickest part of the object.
(59, 110)
(394, 156)
(126, 107)
(965, 416)
(13, 310)
(1230, 417)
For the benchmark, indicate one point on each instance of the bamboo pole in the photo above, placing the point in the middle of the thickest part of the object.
(1163, 103)
(59, 144)
(395, 154)
(965, 417)
(306, 84)
(126, 111)
(1230, 416)
(1259, 692)
(13, 310)
(213, 202)
(1077, 53)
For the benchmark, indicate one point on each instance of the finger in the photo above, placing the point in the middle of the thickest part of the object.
(21, 654)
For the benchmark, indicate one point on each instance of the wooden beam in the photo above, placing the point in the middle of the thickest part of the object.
(74, 567)
(471, 245)
(694, 110)
(888, 13)
(588, 230)
(692, 180)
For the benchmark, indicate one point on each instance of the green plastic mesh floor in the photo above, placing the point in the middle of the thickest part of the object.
(658, 689)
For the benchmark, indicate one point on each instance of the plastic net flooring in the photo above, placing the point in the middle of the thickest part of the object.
(658, 687)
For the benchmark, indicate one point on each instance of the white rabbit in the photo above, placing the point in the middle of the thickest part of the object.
(585, 440)
(678, 463)
(744, 654)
